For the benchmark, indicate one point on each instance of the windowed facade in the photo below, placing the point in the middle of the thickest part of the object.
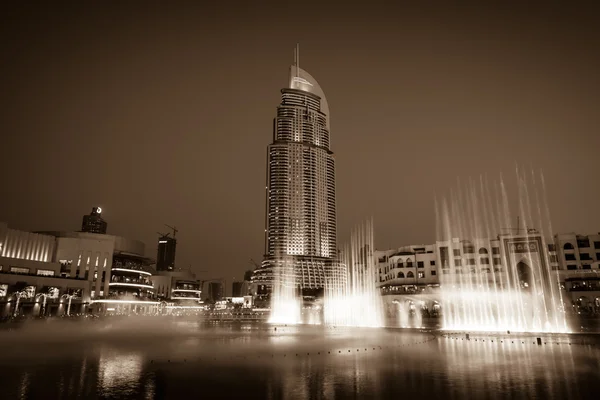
(301, 221)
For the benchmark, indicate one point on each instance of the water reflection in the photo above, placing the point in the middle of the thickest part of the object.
(519, 368)
(310, 362)
(118, 372)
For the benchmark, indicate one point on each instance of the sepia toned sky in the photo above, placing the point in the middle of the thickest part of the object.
(161, 113)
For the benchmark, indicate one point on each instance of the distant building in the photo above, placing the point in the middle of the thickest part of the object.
(93, 223)
(165, 258)
(178, 289)
(236, 289)
(215, 291)
(240, 289)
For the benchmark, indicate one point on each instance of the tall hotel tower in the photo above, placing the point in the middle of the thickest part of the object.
(301, 224)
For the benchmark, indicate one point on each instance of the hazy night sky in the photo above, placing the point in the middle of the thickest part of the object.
(162, 114)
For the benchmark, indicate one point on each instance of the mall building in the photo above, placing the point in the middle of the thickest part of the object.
(178, 290)
(56, 273)
(417, 272)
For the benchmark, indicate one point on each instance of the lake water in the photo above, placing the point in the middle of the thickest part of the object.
(161, 358)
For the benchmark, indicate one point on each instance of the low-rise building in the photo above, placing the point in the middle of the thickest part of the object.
(93, 271)
(579, 257)
(31, 282)
(178, 290)
(419, 271)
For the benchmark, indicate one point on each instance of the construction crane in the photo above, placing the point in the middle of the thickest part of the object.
(175, 230)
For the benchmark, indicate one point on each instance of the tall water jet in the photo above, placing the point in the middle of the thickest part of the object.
(496, 277)
(409, 313)
(352, 299)
(286, 303)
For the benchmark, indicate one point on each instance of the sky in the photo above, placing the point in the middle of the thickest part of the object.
(161, 113)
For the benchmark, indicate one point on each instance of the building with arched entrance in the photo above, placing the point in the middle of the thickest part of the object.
(567, 265)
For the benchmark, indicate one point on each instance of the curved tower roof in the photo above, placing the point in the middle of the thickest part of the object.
(302, 80)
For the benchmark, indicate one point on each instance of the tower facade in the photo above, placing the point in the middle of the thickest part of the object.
(301, 225)
(93, 222)
(165, 255)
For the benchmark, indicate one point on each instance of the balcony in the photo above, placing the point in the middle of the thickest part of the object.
(185, 295)
(124, 281)
(585, 287)
(132, 270)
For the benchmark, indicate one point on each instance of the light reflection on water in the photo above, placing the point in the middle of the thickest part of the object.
(119, 371)
(262, 363)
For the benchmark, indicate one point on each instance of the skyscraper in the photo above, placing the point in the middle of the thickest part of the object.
(165, 257)
(94, 223)
(300, 208)
(215, 291)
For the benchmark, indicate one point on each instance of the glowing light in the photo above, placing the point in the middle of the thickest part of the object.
(187, 290)
(521, 292)
(351, 297)
(184, 298)
(99, 210)
(132, 270)
(125, 302)
(299, 80)
(131, 284)
(285, 302)
(187, 307)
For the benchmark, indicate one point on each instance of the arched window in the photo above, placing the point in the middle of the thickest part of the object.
(400, 263)
(400, 274)
(409, 263)
(568, 246)
(410, 274)
(483, 250)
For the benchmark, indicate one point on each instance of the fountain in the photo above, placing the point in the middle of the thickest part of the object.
(502, 284)
(286, 304)
(351, 298)
(409, 314)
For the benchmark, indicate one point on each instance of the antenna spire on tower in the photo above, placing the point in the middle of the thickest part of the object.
(297, 60)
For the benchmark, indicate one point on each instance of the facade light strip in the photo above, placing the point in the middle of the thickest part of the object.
(130, 284)
(126, 302)
(195, 307)
(184, 298)
(186, 290)
(137, 271)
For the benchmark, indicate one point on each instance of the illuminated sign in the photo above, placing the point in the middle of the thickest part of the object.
(99, 210)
